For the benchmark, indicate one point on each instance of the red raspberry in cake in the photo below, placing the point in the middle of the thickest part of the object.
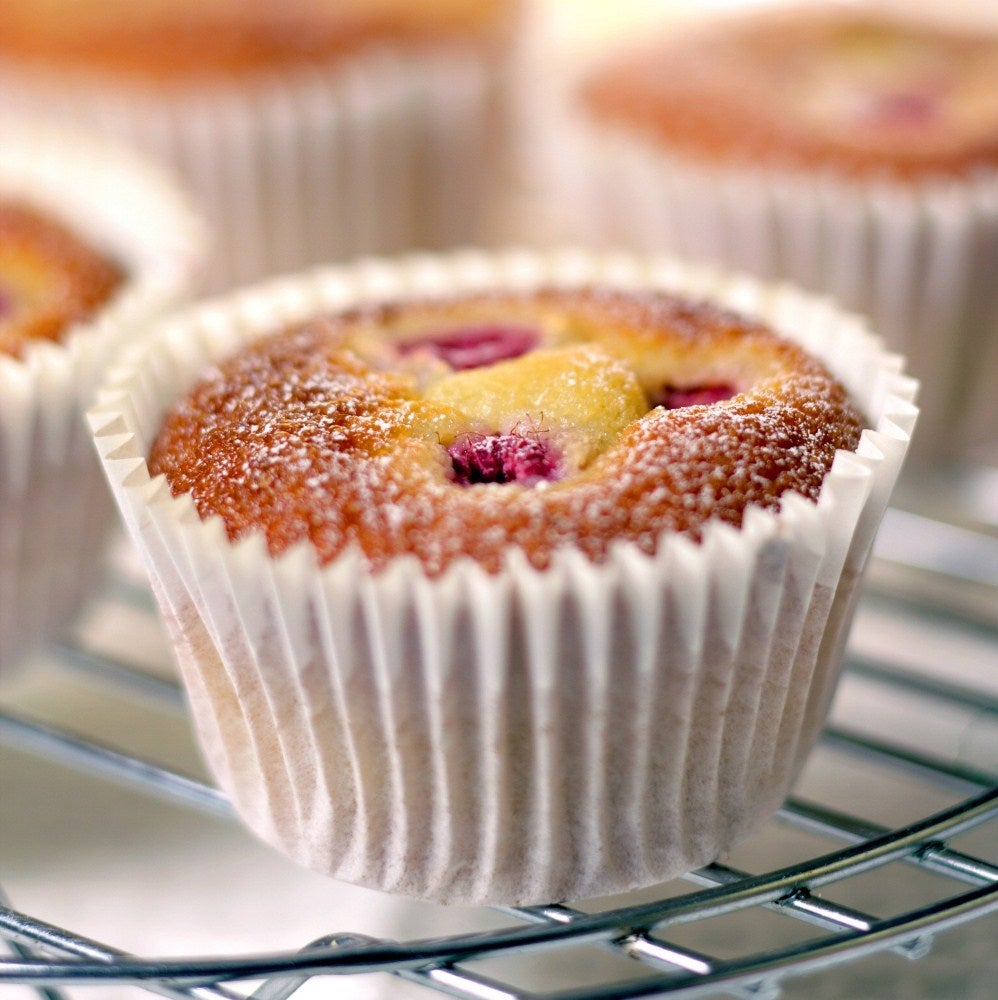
(502, 458)
(673, 398)
(475, 346)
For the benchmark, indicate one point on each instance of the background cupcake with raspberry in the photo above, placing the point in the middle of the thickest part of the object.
(93, 244)
(310, 130)
(506, 578)
(849, 148)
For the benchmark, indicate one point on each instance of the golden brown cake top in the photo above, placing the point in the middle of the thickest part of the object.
(50, 278)
(824, 88)
(541, 420)
(188, 40)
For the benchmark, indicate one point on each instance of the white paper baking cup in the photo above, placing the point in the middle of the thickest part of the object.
(918, 259)
(55, 510)
(529, 735)
(386, 151)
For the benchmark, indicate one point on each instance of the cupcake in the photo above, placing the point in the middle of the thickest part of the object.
(506, 578)
(851, 150)
(52, 279)
(92, 245)
(310, 130)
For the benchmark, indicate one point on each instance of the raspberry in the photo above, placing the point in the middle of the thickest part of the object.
(502, 458)
(903, 108)
(673, 398)
(476, 346)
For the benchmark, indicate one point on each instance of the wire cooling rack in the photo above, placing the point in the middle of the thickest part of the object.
(936, 568)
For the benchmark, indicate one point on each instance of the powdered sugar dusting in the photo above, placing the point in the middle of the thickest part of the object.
(300, 438)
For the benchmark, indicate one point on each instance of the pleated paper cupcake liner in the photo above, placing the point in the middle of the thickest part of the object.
(383, 152)
(526, 735)
(918, 258)
(55, 509)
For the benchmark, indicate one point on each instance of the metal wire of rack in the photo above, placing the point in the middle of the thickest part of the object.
(49, 958)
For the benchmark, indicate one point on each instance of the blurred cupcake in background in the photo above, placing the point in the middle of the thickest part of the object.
(309, 130)
(851, 149)
(92, 245)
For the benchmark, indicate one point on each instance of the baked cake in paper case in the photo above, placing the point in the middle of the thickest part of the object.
(506, 578)
(93, 244)
(309, 130)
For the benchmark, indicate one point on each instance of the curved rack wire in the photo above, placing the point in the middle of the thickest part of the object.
(49, 958)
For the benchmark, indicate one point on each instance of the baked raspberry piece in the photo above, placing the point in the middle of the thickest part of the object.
(476, 346)
(673, 398)
(502, 458)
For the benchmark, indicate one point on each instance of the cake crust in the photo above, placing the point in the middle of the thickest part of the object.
(170, 42)
(830, 88)
(50, 278)
(340, 431)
